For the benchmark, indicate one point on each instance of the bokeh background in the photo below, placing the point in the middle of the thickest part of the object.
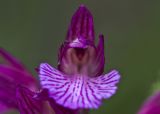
(33, 30)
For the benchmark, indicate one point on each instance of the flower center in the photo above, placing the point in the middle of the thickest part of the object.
(79, 60)
(79, 56)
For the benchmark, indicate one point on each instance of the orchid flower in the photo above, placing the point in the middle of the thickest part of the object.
(79, 81)
(152, 105)
(19, 90)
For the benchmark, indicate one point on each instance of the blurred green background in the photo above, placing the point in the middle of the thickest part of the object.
(33, 30)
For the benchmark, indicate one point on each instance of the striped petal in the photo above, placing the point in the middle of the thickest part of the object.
(78, 91)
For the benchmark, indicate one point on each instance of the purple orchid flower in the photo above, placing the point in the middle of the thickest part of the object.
(12, 73)
(152, 105)
(19, 90)
(78, 82)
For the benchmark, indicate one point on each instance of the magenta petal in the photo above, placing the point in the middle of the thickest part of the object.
(81, 25)
(100, 58)
(28, 104)
(152, 105)
(7, 95)
(16, 76)
(78, 91)
(11, 60)
(11, 75)
(9, 79)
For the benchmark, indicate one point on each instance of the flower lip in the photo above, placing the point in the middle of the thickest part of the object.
(79, 91)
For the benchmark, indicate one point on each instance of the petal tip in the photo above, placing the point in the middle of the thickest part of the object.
(82, 5)
(81, 25)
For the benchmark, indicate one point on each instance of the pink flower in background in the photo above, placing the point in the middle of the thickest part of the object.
(79, 81)
(152, 105)
(12, 74)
